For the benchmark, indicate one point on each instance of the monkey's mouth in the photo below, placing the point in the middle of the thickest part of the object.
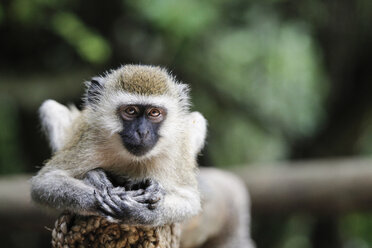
(138, 150)
(137, 147)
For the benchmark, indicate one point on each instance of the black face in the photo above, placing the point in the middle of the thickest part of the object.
(141, 124)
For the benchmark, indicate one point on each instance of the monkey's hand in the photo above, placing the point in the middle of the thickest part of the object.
(152, 194)
(147, 191)
(132, 207)
(98, 179)
(133, 201)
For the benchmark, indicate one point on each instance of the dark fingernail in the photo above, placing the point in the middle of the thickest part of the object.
(151, 206)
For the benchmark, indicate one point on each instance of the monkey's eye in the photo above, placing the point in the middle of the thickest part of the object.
(155, 114)
(129, 112)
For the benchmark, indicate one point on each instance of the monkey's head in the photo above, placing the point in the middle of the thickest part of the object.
(141, 107)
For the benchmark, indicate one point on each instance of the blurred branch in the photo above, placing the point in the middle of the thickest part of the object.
(16, 208)
(334, 186)
(320, 186)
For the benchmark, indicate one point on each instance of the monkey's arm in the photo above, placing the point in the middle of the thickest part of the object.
(57, 189)
(92, 195)
(180, 205)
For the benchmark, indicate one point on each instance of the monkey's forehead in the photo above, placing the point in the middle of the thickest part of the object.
(143, 80)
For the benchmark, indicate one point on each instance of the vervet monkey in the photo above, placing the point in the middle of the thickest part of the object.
(225, 217)
(135, 127)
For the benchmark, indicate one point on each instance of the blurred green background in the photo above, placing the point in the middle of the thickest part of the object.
(276, 79)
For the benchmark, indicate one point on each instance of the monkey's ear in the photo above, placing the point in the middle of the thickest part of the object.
(94, 90)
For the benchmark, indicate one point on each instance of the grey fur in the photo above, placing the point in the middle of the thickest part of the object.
(96, 192)
(71, 179)
(58, 190)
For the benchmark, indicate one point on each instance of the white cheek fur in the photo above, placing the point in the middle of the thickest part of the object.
(106, 117)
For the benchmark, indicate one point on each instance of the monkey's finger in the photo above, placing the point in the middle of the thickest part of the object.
(154, 187)
(89, 179)
(104, 214)
(149, 183)
(106, 203)
(123, 204)
(135, 193)
(152, 206)
(96, 179)
(134, 204)
(117, 200)
(129, 207)
(140, 199)
(132, 193)
(102, 206)
(106, 211)
(103, 177)
(148, 198)
(108, 217)
(117, 191)
(108, 200)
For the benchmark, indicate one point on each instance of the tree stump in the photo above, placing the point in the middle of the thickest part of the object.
(73, 231)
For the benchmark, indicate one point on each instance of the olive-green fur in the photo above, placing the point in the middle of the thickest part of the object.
(144, 80)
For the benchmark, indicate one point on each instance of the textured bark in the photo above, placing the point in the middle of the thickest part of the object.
(93, 231)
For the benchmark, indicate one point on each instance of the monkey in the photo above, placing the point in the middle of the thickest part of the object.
(134, 127)
(225, 217)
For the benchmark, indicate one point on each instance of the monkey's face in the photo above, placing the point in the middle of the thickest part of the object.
(140, 111)
(141, 124)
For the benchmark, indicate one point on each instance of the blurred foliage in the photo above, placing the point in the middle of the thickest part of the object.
(297, 233)
(181, 19)
(90, 46)
(270, 76)
(10, 159)
(271, 67)
(356, 229)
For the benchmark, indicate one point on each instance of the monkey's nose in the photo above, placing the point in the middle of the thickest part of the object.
(143, 133)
